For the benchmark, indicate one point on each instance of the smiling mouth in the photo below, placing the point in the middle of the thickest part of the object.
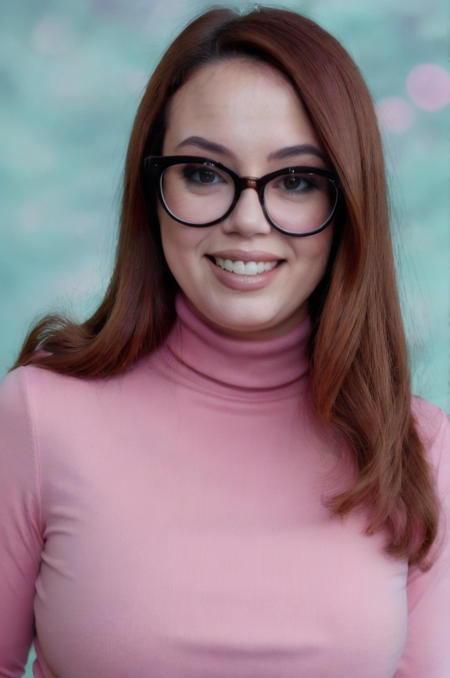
(244, 267)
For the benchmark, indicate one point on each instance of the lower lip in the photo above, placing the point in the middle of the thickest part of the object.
(244, 283)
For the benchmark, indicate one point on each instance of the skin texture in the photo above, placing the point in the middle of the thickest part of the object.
(253, 113)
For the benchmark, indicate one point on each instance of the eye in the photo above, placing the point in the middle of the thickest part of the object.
(297, 183)
(299, 188)
(202, 175)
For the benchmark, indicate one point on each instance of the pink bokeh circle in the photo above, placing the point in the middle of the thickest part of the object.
(395, 114)
(428, 86)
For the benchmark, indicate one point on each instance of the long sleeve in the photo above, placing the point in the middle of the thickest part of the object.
(170, 522)
(427, 650)
(20, 529)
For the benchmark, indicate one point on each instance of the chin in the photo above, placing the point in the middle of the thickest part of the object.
(254, 325)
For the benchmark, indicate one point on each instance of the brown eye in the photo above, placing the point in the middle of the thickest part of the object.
(206, 176)
(296, 182)
(292, 182)
(202, 175)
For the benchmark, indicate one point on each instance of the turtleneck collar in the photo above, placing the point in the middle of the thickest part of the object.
(207, 353)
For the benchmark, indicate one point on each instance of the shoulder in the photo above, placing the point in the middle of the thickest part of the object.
(433, 427)
(59, 405)
(24, 385)
(15, 394)
(43, 401)
(34, 382)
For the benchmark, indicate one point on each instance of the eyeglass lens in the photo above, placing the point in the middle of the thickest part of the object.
(199, 194)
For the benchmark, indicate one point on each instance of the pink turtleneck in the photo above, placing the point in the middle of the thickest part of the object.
(169, 523)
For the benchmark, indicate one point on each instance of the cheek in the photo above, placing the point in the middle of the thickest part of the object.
(180, 244)
(172, 248)
(317, 253)
(168, 241)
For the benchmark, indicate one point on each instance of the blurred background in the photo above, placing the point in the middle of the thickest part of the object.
(71, 76)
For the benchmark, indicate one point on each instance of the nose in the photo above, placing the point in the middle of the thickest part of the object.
(247, 218)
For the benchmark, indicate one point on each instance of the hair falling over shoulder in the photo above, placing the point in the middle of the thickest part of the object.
(358, 356)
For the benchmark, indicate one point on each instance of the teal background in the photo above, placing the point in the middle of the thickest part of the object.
(71, 76)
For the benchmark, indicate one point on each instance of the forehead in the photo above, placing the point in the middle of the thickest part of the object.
(246, 103)
(222, 80)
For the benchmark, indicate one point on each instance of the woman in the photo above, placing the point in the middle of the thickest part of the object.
(221, 472)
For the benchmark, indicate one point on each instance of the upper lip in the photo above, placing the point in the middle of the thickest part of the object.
(242, 255)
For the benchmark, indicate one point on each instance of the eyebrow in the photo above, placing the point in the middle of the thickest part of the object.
(292, 151)
(288, 152)
(205, 145)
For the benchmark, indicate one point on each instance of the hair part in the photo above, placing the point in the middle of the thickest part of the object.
(359, 365)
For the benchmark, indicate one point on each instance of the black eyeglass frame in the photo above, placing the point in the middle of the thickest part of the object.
(155, 166)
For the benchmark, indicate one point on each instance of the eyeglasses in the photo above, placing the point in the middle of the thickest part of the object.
(199, 192)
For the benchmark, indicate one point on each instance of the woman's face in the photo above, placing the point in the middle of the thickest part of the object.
(247, 116)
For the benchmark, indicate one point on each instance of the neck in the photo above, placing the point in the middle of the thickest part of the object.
(201, 350)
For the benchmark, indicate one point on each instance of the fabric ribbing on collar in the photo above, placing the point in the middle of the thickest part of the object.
(237, 362)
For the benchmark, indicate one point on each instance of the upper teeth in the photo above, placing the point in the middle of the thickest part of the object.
(247, 268)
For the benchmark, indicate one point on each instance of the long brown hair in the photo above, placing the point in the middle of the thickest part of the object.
(358, 357)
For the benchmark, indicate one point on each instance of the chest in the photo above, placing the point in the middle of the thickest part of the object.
(181, 550)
